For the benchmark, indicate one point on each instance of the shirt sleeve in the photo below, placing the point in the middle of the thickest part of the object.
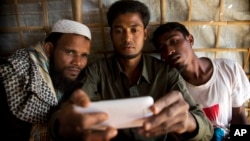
(91, 82)
(204, 127)
(241, 86)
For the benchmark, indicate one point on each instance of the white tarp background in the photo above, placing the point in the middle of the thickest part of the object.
(213, 23)
(23, 23)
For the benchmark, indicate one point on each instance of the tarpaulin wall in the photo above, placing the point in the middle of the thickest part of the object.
(221, 28)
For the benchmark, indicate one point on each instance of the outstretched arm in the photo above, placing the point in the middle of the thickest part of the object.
(239, 115)
(69, 124)
(174, 114)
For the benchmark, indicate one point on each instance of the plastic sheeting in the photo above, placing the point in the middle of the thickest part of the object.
(23, 23)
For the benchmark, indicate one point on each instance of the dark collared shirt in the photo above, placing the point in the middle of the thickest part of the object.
(105, 79)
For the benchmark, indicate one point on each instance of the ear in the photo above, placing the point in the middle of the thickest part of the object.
(145, 33)
(48, 47)
(191, 39)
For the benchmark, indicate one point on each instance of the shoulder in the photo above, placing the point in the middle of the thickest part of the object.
(154, 62)
(226, 63)
(101, 66)
(228, 66)
(19, 54)
(19, 60)
(100, 63)
(156, 66)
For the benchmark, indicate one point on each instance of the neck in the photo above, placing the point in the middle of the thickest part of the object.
(198, 71)
(132, 68)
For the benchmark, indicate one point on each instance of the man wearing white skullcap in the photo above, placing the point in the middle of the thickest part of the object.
(33, 80)
(68, 26)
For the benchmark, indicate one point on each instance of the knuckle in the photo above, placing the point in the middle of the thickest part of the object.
(182, 128)
(84, 122)
(170, 112)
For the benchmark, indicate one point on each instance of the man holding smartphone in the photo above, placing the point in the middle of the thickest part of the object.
(129, 73)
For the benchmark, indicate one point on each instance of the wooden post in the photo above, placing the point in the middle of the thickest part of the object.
(77, 10)
(163, 7)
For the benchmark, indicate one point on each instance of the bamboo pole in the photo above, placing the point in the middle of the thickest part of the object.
(101, 13)
(189, 14)
(20, 29)
(190, 10)
(93, 25)
(219, 27)
(163, 6)
(45, 16)
(18, 23)
(246, 63)
(222, 23)
(77, 10)
(236, 49)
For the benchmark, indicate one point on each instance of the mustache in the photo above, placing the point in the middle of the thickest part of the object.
(171, 58)
(128, 45)
(74, 68)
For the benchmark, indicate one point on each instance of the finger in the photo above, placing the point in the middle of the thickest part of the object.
(166, 101)
(80, 124)
(164, 129)
(178, 128)
(176, 125)
(80, 98)
(105, 135)
(169, 115)
(90, 119)
(160, 130)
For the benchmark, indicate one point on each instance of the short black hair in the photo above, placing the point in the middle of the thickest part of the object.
(128, 6)
(53, 38)
(168, 27)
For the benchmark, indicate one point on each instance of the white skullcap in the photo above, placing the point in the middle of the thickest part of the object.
(69, 26)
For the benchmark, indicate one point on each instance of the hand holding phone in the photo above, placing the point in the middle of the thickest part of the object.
(123, 113)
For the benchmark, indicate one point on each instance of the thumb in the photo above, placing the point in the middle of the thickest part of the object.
(80, 98)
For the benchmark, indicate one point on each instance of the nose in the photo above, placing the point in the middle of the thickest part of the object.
(128, 36)
(172, 51)
(168, 49)
(77, 60)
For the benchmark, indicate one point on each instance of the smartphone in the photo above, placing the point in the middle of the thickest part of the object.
(122, 113)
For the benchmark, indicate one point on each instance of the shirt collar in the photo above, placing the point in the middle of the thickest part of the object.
(118, 69)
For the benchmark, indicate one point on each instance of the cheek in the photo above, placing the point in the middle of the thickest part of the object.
(164, 55)
(117, 40)
(84, 63)
(139, 38)
(61, 61)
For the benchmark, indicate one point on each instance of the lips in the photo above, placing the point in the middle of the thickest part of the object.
(128, 47)
(74, 71)
(173, 59)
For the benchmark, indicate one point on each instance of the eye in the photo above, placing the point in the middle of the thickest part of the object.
(134, 30)
(163, 48)
(84, 55)
(118, 31)
(161, 44)
(69, 52)
(173, 41)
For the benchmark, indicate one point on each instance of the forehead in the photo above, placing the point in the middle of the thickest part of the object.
(168, 35)
(70, 37)
(73, 41)
(128, 19)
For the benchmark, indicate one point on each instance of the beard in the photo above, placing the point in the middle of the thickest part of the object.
(127, 56)
(124, 56)
(60, 82)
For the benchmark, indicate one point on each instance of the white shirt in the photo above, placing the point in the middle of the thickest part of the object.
(228, 87)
